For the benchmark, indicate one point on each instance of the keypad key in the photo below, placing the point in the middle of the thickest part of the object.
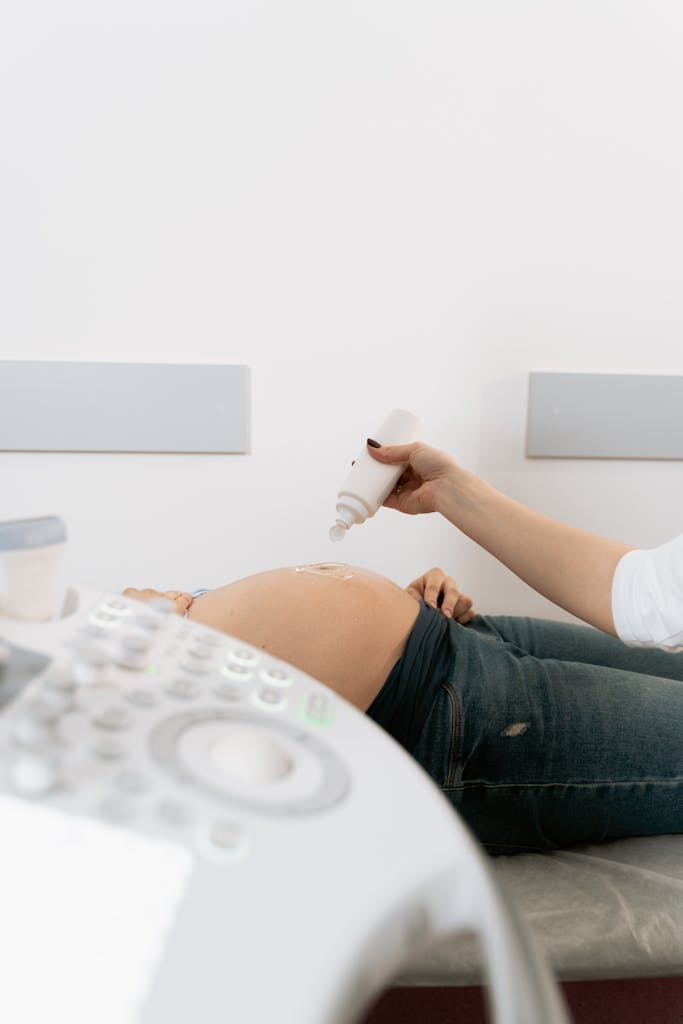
(113, 719)
(243, 656)
(143, 698)
(238, 672)
(277, 677)
(270, 698)
(116, 606)
(183, 689)
(109, 750)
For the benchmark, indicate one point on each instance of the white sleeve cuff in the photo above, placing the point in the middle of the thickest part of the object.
(647, 597)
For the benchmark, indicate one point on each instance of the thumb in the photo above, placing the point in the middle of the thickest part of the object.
(391, 453)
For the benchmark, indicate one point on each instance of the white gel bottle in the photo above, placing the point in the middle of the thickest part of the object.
(370, 482)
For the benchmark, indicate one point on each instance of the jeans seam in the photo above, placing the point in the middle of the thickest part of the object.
(454, 751)
(564, 785)
(523, 847)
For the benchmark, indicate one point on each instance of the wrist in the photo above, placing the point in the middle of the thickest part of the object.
(458, 495)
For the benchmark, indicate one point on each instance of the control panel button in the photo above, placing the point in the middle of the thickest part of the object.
(316, 709)
(60, 678)
(209, 639)
(116, 809)
(136, 643)
(227, 691)
(105, 619)
(225, 841)
(183, 689)
(242, 656)
(132, 782)
(175, 813)
(150, 623)
(34, 775)
(42, 711)
(143, 698)
(109, 750)
(277, 677)
(201, 653)
(113, 719)
(56, 698)
(270, 698)
(195, 666)
(136, 661)
(31, 731)
(271, 767)
(225, 834)
(250, 755)
(116, 606)
(87, 633)
(88, 666)
(239, 672)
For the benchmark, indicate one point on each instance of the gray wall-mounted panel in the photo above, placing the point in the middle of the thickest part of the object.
(123, 407)
(605, 416)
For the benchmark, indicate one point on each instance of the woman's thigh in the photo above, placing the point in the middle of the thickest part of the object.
(538, 753)
(545, 638)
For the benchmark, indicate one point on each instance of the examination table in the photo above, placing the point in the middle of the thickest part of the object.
(609, 919)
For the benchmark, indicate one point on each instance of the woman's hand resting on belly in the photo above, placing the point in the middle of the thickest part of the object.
(440, 591)
(178, 598)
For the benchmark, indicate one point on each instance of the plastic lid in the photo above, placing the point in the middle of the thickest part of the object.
(350, 510)
(20, 534)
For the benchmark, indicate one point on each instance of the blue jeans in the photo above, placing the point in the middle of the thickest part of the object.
(547, 734)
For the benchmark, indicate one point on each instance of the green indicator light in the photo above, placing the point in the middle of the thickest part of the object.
(315, 711)
(153, 670)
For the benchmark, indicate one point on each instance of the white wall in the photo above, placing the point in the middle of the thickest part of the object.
(372, 204)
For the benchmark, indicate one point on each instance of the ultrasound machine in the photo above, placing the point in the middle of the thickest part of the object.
(194, 831)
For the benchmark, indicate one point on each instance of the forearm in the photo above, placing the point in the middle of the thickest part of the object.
(570, 567)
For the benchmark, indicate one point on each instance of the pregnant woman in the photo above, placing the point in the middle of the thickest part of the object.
(542, 734)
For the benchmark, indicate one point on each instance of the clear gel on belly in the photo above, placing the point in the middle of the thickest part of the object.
(370, 482)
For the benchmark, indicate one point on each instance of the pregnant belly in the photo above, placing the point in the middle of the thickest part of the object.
(344, 625)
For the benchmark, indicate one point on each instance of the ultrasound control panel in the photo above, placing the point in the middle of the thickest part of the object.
(141, 717)
(287, 838)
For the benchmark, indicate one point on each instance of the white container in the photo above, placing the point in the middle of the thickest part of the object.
(370, 482)
(30, 550)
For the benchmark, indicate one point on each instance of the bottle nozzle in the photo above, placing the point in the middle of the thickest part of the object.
(338, 531)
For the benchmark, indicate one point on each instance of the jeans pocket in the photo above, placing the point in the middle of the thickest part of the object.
(439, 747)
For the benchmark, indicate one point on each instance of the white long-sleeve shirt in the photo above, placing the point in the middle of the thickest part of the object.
(647, 597)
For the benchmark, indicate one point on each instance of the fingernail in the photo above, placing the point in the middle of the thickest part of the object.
(374, 444)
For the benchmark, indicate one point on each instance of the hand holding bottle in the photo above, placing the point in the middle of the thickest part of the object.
(429, 477)
(369, 482)
(572, 568)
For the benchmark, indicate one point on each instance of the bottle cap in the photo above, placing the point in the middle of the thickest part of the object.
(338, 531)
(350, 510)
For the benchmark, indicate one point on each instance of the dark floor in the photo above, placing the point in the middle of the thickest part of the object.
(628, 1001)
